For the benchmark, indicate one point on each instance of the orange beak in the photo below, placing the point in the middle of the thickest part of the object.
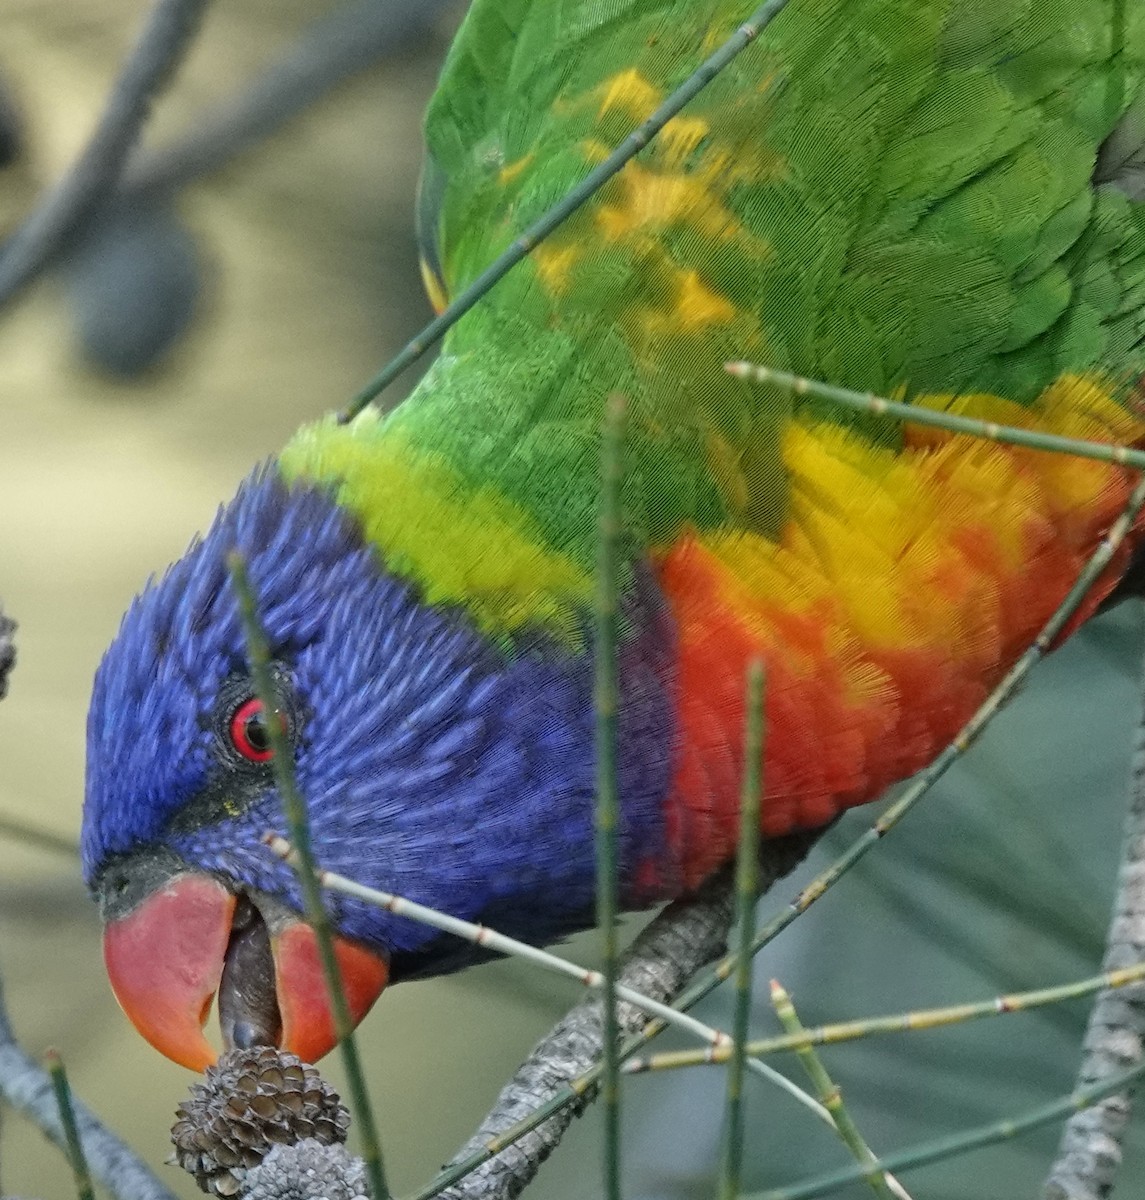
(172, 954)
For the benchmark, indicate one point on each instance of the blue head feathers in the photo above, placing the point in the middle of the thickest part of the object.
(434, 764)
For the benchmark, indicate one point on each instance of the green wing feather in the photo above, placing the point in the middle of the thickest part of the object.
(894, 195)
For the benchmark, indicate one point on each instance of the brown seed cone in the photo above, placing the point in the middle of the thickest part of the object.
(250, 1101)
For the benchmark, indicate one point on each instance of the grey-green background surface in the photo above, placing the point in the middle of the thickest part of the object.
(1001, 882)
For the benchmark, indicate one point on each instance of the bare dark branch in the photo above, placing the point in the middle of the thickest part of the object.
(165, 38)
(27, 1087)
(1090, 1152)
(688, 935)
(328, 53)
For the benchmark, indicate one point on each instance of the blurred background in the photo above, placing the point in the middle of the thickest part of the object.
(183, 340)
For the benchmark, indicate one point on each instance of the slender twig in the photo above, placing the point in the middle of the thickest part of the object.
(913, 414)
(712, 978)
(658, 964)
(298, 820)
(961, 1143)
(832, 1098)
(43, 1096)
(329, 52)
(606, 701)
(911, 1022)
(63, 1094)
(747, 872)
(536, 1107)
(27, 1087)
(967, 736)
(167, 35)
(573, 199)
(491, 939)
(1090, 1152)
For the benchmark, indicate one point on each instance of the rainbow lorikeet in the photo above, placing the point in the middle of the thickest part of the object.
(931, 199)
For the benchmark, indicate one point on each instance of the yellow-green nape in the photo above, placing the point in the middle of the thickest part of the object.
(460, 544)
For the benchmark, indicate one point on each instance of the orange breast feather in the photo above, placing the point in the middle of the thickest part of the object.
(902, 587)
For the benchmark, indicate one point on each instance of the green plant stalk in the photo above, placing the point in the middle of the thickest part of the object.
(491, 939)
(960, 1143)
(712, 978)
(911, 1022)
(747, 885)
(607, 817)
(76, 1156)
(567, 205)
(298, 821)
(832, 1098)
(912, 414)
(927, 778)
(970, 732)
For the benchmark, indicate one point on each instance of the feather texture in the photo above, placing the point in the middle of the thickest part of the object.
(891, 196)
(939, 201)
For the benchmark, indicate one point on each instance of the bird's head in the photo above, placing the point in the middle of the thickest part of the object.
(381, 696)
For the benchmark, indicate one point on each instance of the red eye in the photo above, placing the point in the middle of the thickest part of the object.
(249, 733)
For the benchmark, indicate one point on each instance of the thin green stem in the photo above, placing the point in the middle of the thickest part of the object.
(913, 414)
(911, 1022)
(712, 978)
(832, 1098)
(606, 703)
(491, 939)
(961, 1143)
(970, 732)
(564, 208)
(747, 882)
(298, 821)
(928, 777)
(76, 1156)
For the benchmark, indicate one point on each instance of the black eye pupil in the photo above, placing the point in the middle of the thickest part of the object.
(257, 733)
(248, 731)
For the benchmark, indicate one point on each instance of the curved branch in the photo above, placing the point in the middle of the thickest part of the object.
(1090, 1151)
(165, 38)
(328, 53)
(686, 936)
(28, 1088)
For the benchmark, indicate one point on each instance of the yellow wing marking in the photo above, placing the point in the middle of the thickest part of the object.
(693, 307)
(510, 171)
(433, 288)
(629, 93)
